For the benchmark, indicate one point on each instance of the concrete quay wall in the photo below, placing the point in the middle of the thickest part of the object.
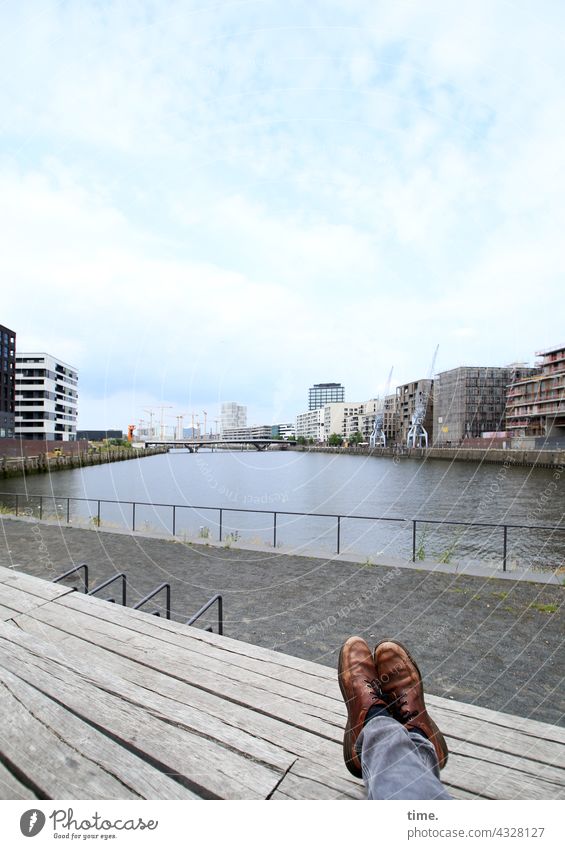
(509, 456)
(13, 467)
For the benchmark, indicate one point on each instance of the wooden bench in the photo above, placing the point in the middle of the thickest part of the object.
(103, 702)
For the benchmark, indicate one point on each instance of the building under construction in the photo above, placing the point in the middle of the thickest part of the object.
(470, 401)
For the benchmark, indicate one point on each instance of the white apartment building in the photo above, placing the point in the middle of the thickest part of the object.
(310, 425)
(252, 432)
(232, 416)
(46, 398)
(336, 416)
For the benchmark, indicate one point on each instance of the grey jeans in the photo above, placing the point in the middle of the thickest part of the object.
(398, 764)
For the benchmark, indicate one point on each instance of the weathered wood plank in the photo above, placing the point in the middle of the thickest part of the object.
(529, 726)
(210, 768)
(215, 705)
(303, 708)
(18, 600)
(46, 590)
(305, 780)
(494, 781)
(7, 613)
(59, 770)
(142, 779)
(11, 788)
(164, 629)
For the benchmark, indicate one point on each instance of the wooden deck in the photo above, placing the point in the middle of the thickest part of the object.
(103, 702)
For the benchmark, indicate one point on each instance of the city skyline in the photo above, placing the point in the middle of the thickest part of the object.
(241, 202)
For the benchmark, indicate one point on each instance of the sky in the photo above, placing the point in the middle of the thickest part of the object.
(214, 201)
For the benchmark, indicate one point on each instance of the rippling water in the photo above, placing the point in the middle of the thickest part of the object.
(323, 483)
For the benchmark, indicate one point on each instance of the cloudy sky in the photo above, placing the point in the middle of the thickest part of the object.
(207, 201)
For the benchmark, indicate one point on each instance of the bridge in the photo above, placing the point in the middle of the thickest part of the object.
(194, 445)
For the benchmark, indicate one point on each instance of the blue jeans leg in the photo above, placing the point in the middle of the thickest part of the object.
(398, 764)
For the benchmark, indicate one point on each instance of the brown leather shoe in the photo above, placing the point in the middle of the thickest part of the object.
(401, 684)
(359, 688)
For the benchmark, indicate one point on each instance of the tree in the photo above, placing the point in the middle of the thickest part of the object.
(356, 438)
(301, 440)
(335, 439)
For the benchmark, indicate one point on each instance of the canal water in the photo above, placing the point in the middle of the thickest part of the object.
(278, 481)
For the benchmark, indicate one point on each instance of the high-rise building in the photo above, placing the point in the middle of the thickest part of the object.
(46, 398)
(325, 393)
(7, 381)
(471, 401)
(232, 416)
(536, 404)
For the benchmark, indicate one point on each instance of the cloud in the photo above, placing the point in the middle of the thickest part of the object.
(240, 200)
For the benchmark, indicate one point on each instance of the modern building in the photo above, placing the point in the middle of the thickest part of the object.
(325, 393)
(409, 396)
(470, 401)
(46, 398)
(253, 432)
(336, 417)
(310, 425)
(285, 430)
(99, 435)
(535, 405)
(7, 381)
(232, 416)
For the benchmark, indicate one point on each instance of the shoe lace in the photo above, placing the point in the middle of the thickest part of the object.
(400, 703)
(377, 694)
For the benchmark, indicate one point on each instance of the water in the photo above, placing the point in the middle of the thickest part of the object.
(320, 483)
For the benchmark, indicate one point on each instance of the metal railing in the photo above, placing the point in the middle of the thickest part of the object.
(339, 518)
(121, 576)
(215, 598)
(145, 599)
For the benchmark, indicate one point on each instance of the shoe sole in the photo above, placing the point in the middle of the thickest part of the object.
(436, 732)
(347, 753)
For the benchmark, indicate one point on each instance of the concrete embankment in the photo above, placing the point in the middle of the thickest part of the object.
(502, 456)
(12, 467)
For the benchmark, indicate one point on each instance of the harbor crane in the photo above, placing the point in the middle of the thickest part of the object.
(417, 434)
(378, 437)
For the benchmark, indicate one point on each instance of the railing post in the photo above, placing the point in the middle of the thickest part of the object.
(133, 516)
(505, 548)
(16, 503)
(338, 533)
(98, 515)
(274, 530)
(174, 525)
(68, 510)
(413, 540)
(221, 516)
(41, 507)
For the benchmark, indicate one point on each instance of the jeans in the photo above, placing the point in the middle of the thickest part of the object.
(397, 763)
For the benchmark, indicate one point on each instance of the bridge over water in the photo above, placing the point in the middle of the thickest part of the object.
(194, 445)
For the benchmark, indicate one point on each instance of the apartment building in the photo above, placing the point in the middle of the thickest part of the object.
(252, 432)
(46, 403)
(470, 401)
(310, 425)
(7, 381)
(336, 417)
(409, 396)
(535, 405)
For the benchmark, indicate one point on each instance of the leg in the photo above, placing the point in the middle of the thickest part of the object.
(398, 763)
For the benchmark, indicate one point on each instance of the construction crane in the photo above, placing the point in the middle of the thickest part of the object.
(180, 425)
(417, 434)
(378, 436)
(205, 414)
(151, 411)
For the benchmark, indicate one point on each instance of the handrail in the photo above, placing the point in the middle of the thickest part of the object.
(275, 513)
(215, 598)
(150, 595)
(120, 576)
(71, 572)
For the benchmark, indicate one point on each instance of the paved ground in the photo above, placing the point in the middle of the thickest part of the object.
(484, 640)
